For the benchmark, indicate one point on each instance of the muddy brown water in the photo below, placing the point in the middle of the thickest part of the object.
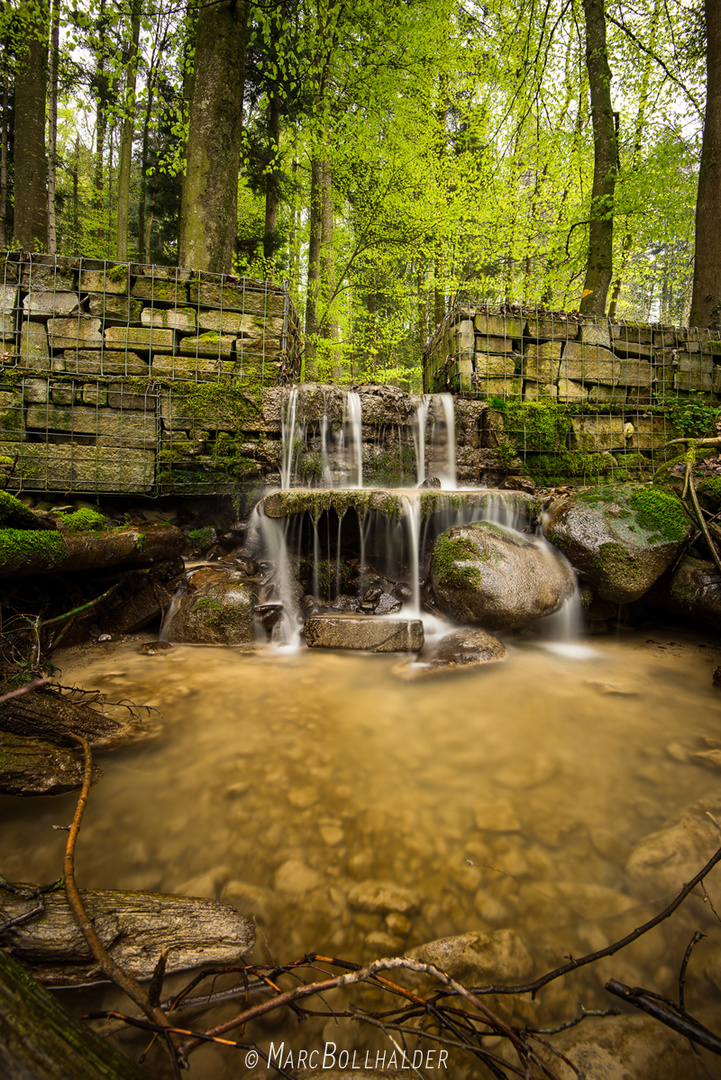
(505, 797)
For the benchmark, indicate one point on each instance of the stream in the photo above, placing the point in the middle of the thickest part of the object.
(505, 797)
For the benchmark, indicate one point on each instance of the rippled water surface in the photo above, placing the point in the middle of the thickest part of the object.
(505, 797)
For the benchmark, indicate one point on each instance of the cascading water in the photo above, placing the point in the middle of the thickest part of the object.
(420, 418)
(288, 435)
(442, 449)
(353, 438)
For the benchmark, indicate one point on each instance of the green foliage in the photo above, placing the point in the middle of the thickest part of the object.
(693, 415)
(708, 489)
(202, 538)
(84, 520)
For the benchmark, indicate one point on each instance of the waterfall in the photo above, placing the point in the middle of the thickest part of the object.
(412, 521)
(353, 437)
(288, 435)
(443, 441)
(420, 416)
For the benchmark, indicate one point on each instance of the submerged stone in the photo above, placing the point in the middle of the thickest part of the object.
(479, 956)
(469, 647)
(364, 632)
(489, 575)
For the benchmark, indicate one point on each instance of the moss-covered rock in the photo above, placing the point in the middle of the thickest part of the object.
(620, 538)
(219, 612)
(492, 576)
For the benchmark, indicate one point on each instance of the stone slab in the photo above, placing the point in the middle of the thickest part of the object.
(237, 298)
(83, 331)
(209, 344)
(96, 362)
(125, 427)
(113, 281)
(498, 325)
(34, 351)
(175, 318)
(549, 326)
(487, 364)
(366, 633)
(116, 308)
(37, 276)
(8, 299)
(45, 302)
(158, 289)
(239, 324)
(70, 467)
(142, 339)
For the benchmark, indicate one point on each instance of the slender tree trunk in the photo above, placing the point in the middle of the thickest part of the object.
(143, 246)
(599, 265)
(272, 184)
(53, 122)
(31, 167)
(294, 236)
(4, 163)
(329, 323)
(314, 245)
(209, 214)
(76, 242)
(126, 139)
(101, 86)
(706, 300)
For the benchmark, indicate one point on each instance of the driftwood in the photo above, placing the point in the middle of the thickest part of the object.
(134, 927)
(52, 716)
(40, 1040)
(28, 551)
(31, 766)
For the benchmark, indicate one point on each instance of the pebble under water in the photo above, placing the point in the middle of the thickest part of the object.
(507, 797)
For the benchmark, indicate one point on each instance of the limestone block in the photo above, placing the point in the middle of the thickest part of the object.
(651, 433)
(537, 391)
(68, 466)
(115, 281)
(695, 364)
(116, 308)
(95, 362)
(252, 327)
(34, 352)
(503, 387)
(637, 333)
(364, 632)
(43, 302)
(37, 276)
(542, 361)
(593, 434)
(237, 298)
(489, 344)
(465, 336)
(182, 319)
(123, 426)
(208, 344)
(666, 339)
(175, 415)
(8, 336)
(143, 339)
(12, 426)
(708, 348)
(187, 367)
(568, 390)
(121, 396)
(576, 350)
(158, 289)
(686, 380)
(81, 332)
(549, 326)
(499, 325)
(35, 391)
(94, 394)
(716, 379)
(8, 299)
(600, 394)
(63, 395)
(633, 348)
(591, 370)
(487, 364)
(595, 333)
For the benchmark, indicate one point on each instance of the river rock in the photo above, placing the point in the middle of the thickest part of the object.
(622, 1048)
(364, 632)
(671, 856)
(620, 538)
(219, 611)
(496, 577)
(693, 590)
(464, 648)
(30, 766)
(382, 897)
(496, 956)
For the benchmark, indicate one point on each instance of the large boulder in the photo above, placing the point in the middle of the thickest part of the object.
(694, 589)
(493, 576)
(620, 538)
(218, 611)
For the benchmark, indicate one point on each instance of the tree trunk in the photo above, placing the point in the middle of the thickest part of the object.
(314, 245)
(599, 265)
(53, 122)
(101, 86)
(4, 163)
(329, 325)
(706, 300)
(208, 225)
(26, 551)
(143, 227)
(272, 183)
(126, 139)
(30, 766)
(49, 715)
(31, 168)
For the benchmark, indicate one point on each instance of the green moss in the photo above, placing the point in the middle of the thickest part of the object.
(661, 513)
(451, 565)
(84, 520)
(708, 490)
(541, 426)
(220, 615)
(203, 538)
(22, 547)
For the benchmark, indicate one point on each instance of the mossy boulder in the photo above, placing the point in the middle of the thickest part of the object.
(619, 538)
(493, 576)
(694, 590)
(218, 612)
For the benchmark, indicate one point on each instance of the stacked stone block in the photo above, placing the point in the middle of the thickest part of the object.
(90, 353)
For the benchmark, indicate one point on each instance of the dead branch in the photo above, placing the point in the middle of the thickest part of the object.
(668, 1013)
(689, 483)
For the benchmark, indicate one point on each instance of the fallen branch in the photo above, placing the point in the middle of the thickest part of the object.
(668, 1013)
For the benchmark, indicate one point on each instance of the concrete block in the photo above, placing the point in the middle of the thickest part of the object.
(364, 632)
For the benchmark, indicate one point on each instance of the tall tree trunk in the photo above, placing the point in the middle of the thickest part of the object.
(313, 285)
(53, 122)
(126, 139)
(143, 245)
(272, 192)
(101, 86)
(31, 168)
(599, 265)
(4, 163)
(329, 324)
(706, 299)
(76, 246)
(208, 220)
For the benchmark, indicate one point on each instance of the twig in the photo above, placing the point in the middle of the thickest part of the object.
(698, 936)
(23, 689)
(83, 607)
(109, 967)
(700, 517)
(677, 1020)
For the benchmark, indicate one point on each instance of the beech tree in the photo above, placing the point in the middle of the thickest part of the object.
(30, 158)
(706, 301)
